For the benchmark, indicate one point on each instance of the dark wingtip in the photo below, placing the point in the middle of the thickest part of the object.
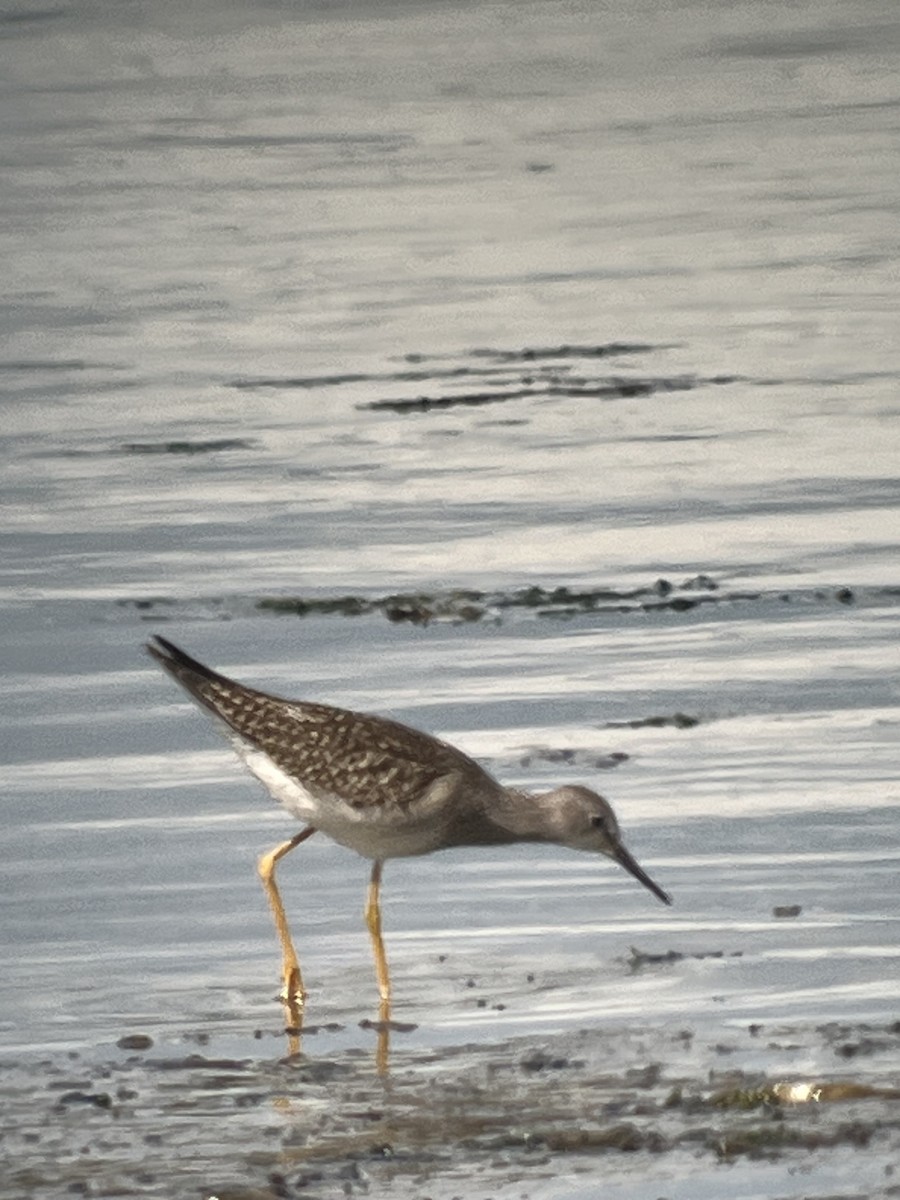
(162, 648)
(173, 659)
(166, 653)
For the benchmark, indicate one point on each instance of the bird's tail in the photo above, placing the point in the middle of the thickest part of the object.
(221, 696)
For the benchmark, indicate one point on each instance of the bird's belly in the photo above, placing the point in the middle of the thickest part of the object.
(300, 802)
(368, 830)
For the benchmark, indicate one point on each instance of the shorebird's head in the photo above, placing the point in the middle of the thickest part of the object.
(585, 821)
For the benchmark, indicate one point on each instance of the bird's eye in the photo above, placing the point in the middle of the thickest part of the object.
(598, 822)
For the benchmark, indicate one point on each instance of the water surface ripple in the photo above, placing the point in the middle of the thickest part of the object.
(531, 378)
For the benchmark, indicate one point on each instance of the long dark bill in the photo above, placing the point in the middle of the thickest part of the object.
(631, 865)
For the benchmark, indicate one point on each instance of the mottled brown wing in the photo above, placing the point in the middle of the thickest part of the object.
(359, 757)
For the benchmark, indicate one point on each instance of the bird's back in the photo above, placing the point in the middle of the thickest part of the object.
(360, 758)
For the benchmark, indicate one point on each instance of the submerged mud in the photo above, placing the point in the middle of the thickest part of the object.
(168, 1120)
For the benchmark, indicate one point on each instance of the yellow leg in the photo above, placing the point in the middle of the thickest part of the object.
(293, 993)
(373, 923)
(383, 1045)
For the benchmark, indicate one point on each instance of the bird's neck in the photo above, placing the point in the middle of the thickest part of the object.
(526, 816)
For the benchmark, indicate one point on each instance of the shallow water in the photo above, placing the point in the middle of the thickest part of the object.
(527, 375)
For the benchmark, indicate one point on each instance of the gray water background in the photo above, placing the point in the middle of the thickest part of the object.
(344, 300)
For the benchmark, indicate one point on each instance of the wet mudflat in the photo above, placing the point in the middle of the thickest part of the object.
(650, 1112)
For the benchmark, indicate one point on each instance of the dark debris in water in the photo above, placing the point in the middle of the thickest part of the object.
(533, 353)
(431, 367)
(493, 375)
(197, 1062)
(677, 720)
(462, 605)
(425, 368)
(642, 958)
(135, 1041)
(388, 1026)
(470, 605)
(771, 1141)
(457, 400)
(567, 756)
(97, 1099)
(547, 386)
(184, 446)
